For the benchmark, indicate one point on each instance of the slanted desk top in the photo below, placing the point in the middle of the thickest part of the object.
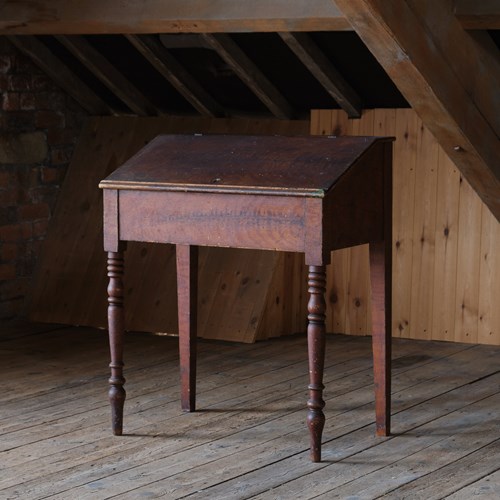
(294, 194)
(298, 166)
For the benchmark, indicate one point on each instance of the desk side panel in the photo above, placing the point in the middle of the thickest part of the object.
(110, 226)
(356, 205)
(219, 220)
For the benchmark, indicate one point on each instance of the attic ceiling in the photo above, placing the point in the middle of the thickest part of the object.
(227, 58)
(280, 58)
(233, 75)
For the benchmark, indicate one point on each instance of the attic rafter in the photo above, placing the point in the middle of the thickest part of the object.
(250, 74)
(74, 17)
(478, 14)
(478, 75)
(441, 73)
(323, 70)
(161, 59)
(108, 74)
(61, 74)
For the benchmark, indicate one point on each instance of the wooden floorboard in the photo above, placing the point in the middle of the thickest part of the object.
(249, 438)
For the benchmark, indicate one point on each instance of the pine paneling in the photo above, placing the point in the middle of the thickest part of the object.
(489, 280)
(71, 281)
(468, 260)
(406, 133)
(424, 223)
(446, 261)
(446, 248)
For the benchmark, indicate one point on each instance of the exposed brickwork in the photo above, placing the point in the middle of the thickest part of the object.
(39, 127)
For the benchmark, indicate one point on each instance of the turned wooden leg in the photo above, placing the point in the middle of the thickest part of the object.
(187, 288)
(316, 330)
(116, 328)
(380, 274)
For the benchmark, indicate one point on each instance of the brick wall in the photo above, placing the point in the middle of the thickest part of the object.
(39, 125)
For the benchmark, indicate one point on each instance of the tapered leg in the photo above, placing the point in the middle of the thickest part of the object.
(116, 328)
(316, 331)
(380, 274)
(187, 291)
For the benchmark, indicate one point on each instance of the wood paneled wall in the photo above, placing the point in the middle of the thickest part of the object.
(446, 269)
(242, 292)
(446, 247)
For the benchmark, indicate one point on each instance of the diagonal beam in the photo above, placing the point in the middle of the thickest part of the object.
(478, 14)
(75, 17)
(108, 74)
(161, 59)
(313, 58)
(61, 74)
(250, 74)
(442, 73)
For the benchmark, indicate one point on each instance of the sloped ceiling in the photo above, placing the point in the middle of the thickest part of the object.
(227, 91)
(280, 58)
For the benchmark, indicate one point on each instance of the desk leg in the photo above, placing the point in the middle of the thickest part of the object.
(380, 275)
(316, 331)
(116, 326)
(187, 288)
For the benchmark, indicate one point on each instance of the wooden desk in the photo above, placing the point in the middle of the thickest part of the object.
(294, 194)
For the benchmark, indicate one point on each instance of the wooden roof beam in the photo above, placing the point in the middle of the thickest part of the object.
(313, 58)
(108, 74)
(61, 74)
(478, 14)
(74, 17)
(250, 74)
(449, 79)
(161, 59)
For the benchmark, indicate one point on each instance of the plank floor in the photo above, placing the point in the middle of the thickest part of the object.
(249, 438)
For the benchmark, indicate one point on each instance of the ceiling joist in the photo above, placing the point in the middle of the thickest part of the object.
(478, 14)
(439, 69)
(250, 74)
(323, 70)
(161, 59)
(61, 74)
(74, 17)
(108, 75)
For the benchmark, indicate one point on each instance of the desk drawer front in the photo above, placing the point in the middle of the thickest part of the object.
(222, 220)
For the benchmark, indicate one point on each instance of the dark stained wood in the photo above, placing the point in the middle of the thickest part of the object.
(110, 210)
(250, 74)
(61, 74)
(259, 222)
(445, 76)
(265, 192)
(174, 73)
(324, 71)
(316, 332)
(175, 16)
(109, 75)
(298, 166)
(54, 439)
(380, 254)
(116, 326)
(474, 15)
(381, 334)
(363, 222)
(187, 293)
